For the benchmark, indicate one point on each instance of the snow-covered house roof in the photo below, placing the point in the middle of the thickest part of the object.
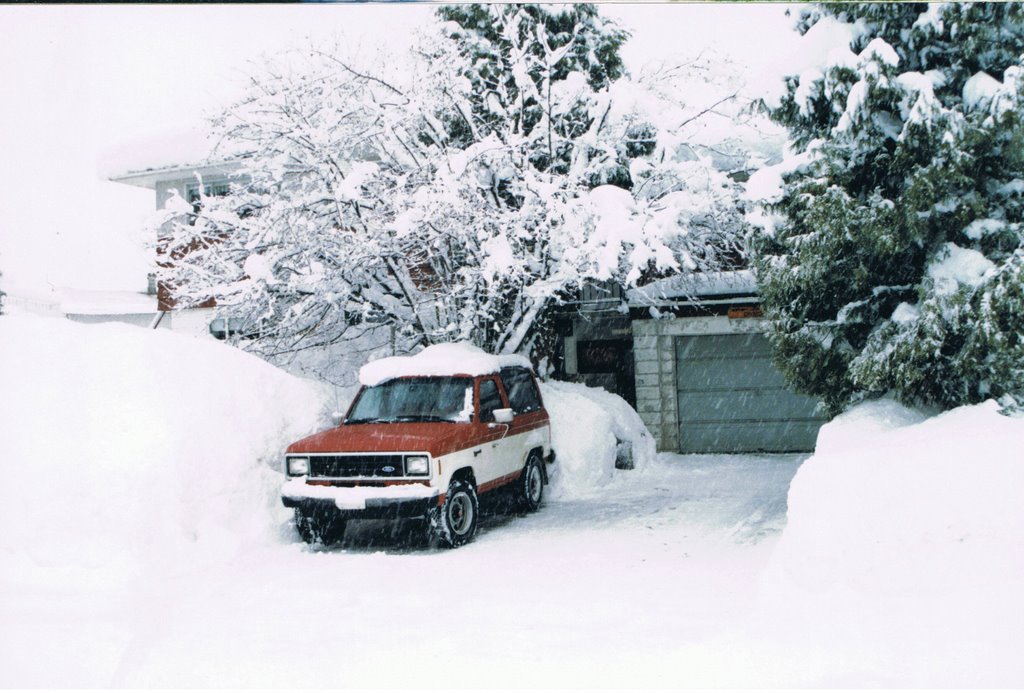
(698, 285)
(91, 302)
(458, 358)
(168, 155)
(69, 301)
(151, 177)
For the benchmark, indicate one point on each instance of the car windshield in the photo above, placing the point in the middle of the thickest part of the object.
(415, 399)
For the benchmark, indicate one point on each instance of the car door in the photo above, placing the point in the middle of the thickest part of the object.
(495, 459)
(529, 428)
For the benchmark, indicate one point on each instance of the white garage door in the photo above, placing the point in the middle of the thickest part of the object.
(732, 399)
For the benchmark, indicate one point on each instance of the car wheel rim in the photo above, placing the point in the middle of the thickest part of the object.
(534, 483)
(460, 514)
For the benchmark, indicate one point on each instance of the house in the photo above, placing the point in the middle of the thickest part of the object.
(85, 305)
(187, 181)
(691, 355)
(92, 306)
(335, 363)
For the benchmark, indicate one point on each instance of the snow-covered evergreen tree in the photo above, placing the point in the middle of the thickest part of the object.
(517, 61)
(892, 258)
(460, 197)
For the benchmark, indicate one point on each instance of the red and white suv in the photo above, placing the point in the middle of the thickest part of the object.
(424, 437)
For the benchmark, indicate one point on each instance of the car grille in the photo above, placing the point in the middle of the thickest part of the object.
(356, 466)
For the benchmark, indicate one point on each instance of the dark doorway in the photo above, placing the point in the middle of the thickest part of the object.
(608, 363)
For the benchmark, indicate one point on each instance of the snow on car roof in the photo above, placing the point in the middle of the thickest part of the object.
(458, 358)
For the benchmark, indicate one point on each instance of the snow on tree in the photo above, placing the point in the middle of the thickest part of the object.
(459, 197)
(891, 251)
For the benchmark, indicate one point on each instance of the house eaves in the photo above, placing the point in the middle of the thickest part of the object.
(151, 177)
(95, 302)
(696, 288)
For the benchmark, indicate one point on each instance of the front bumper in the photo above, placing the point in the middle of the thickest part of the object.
(408, 500)
(377, 509)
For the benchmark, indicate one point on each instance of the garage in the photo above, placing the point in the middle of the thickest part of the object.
(705, 382)
(732, 399)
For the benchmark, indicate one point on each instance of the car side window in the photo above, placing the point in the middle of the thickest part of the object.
(521, 390)
(490, 399)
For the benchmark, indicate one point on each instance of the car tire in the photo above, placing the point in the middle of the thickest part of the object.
(530, 487)
(319, 528)
(455, 522)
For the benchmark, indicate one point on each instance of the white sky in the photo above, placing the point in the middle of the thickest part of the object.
(79, 82)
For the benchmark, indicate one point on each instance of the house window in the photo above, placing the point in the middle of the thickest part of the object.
(598, 297)
(222, 328)
(209, 190)
(220, 189)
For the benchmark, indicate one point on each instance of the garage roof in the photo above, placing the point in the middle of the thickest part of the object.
(696, 285)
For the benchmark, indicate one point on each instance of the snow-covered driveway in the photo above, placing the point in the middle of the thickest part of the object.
(594, 591)
(143, 543)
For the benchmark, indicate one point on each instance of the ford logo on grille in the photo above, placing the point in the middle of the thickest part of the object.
(387, 469)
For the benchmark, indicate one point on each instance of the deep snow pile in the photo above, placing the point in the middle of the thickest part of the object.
(144, 541)
(126, 448)
(904, 548)
(587, 425)
(131, 448)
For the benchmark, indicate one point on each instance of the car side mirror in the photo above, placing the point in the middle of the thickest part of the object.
(503, 416)
(337, 417)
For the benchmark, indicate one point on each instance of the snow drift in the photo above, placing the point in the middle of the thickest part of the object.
(903, 550)
(587, 426)
(130, 448)
(144, 542)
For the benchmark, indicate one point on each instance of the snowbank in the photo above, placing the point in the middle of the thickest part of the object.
(904, 547)
(587, 424)
(128, 449)
(459, 358)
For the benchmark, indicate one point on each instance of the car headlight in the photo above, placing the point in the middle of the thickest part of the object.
(417, 465)
(297, 466)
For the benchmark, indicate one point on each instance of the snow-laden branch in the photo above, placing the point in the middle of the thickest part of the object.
(463, 204)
